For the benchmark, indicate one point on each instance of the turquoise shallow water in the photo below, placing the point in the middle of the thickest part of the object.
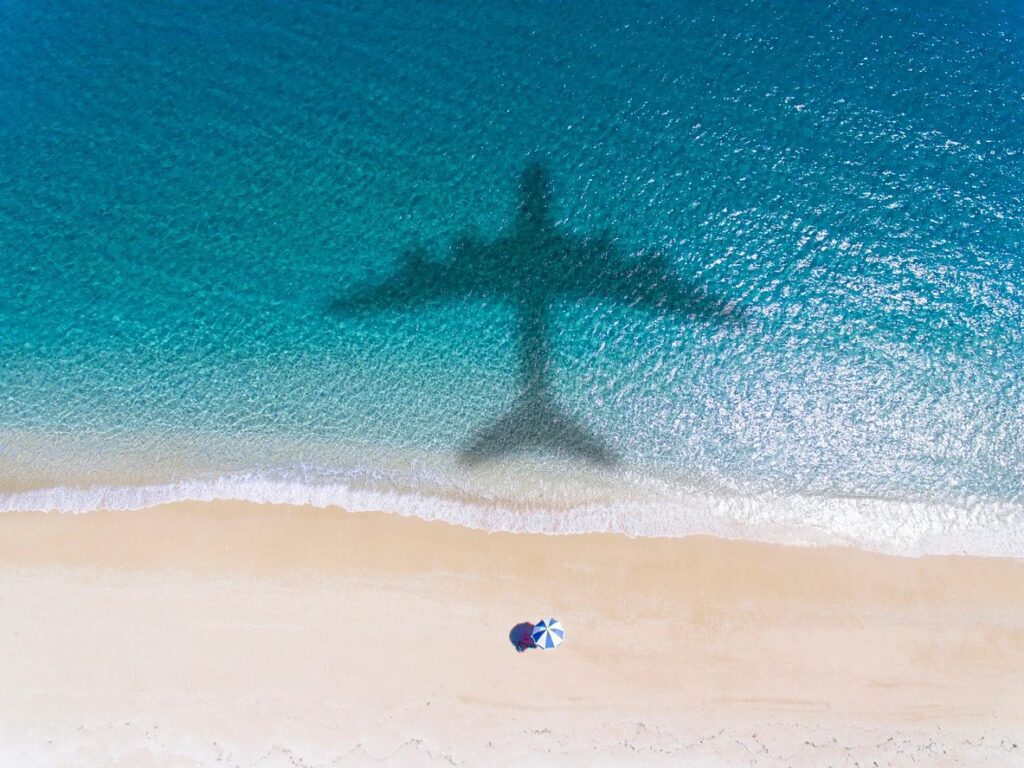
(185, 189)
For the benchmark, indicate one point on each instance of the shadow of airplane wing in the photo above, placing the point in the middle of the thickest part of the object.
(536, 424)
(419, 281)
(648, 282)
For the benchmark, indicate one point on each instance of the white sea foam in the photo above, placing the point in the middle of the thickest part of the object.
(909, 528)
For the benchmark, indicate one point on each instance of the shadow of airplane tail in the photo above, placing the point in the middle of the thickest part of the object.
(536, 425)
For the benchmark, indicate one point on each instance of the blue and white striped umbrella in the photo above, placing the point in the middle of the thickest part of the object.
(548, 634)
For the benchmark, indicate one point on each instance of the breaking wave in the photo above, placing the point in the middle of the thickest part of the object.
(907, 527)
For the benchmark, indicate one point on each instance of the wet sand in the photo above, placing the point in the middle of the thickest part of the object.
(254, 635)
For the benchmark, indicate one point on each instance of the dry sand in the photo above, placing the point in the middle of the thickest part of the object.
(232, 634)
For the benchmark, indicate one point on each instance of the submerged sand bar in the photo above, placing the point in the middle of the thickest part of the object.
(262, 635)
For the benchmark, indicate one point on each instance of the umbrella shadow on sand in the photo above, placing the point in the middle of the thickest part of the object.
(533, 265)
(521, 636)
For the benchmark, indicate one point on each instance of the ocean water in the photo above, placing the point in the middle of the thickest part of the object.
(751, 269)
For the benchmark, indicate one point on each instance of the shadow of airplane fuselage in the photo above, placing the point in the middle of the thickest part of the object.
(533, 265)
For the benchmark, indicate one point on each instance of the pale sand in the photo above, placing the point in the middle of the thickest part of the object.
(230, 634)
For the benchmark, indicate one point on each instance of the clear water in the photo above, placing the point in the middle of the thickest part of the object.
(185, 188)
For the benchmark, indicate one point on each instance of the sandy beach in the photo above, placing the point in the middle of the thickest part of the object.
(232, 634)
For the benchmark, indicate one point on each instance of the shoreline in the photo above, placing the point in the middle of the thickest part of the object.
(598, 504)
(362, 637)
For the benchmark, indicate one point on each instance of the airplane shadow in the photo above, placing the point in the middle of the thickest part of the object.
(536, 424)
(532, 265)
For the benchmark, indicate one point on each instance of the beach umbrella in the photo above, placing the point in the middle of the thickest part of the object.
(548, 633)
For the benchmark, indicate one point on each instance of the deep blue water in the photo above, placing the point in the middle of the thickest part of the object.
(185, 188)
